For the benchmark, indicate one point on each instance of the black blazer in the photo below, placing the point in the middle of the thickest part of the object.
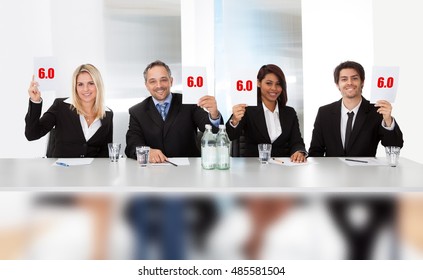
(175, 137)
(365, 136)
(69, 138)
(253, 127)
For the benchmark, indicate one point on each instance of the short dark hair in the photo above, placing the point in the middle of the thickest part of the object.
(348, 65)
(156, 63)
(274, 69)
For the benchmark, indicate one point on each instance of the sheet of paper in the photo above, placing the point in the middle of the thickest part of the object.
(384, 83)
(286, 161)
(243, 88)
(46, 72)
(364, 161)
(177, 161)
(194, 84)
(73, 161)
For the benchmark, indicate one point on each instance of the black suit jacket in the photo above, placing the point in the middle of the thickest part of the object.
(69, 137)
(365, 136)
(253, 127)
(175, 137)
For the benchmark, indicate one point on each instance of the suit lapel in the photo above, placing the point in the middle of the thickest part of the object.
(284, 119)
(359, 120)
(104, 127)
(259, 121)
(335, 122)
(76, 121)
(174, 108)
(153, 113)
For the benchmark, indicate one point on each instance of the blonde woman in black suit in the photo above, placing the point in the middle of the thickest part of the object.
(84, 126)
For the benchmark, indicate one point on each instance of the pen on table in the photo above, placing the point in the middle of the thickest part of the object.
(356, 160)
(277, 160)
(174, 164)
(62, 164)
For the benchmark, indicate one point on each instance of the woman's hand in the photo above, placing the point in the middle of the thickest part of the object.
(34, 93)
(238, 112)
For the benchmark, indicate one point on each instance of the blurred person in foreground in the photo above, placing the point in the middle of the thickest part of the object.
(274, 226)
(271, 121)
(410, 226)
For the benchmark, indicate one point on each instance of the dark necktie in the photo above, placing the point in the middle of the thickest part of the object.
(162, 109)
(348, 129)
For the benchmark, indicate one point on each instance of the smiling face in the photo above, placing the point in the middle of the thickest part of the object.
(270, 88)
(350, 84)
(86, 88)
(158, 82)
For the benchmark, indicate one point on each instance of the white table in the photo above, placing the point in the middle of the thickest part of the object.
(246, 175)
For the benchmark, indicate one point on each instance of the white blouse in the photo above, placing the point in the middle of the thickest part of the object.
(272, 122)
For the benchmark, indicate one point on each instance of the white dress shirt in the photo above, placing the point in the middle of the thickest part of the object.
(272, 122)
(88, 131)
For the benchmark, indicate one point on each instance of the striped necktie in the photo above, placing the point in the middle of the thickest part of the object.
(162, 109)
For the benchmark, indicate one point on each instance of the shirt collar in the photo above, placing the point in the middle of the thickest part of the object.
(168, 100)
(344, 109)
(267, 109)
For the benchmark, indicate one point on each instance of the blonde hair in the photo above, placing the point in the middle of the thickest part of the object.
(99, 107)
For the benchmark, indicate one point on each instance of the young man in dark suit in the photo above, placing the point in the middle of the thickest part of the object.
(371, 123)
(352, 127)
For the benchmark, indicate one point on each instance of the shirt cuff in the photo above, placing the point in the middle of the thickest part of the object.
(35, 102)
(390, 128)
(215, 122)
(234, 126)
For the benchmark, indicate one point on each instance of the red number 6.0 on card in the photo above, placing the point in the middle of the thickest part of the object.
(45, 72)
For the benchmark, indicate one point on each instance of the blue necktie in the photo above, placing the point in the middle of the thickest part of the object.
(162, 109)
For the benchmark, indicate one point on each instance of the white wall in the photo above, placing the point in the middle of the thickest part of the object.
(398, 41)
(333, 31)
(197, 30)
(27, 31)
(378, 32)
